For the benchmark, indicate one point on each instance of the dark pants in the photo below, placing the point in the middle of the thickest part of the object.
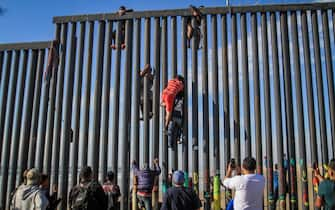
(146, 200)
(174, 132)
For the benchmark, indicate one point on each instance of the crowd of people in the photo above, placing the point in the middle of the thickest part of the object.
(89, 194)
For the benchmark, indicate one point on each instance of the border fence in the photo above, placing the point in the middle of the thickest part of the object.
(261, 84)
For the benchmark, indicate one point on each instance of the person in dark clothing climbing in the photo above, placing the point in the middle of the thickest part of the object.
(112, 191)
(145, 182)
(122, 11)
(173, 100)
(146, 72)
(88, 194)
(179, 197)
(193, 31)
(44, 185)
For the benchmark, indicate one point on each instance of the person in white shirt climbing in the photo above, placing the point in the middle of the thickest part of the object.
(249, 186)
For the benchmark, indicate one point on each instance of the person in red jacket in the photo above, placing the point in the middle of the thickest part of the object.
(173, 88)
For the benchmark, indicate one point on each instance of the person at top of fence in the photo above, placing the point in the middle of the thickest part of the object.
(249, 186)
(88, 194)
(53, 59)
(326, 190)
(145, 179)
(44, 185)
(179, 197)
(194, 31)
(112, 191)
(146, 72)
(122, 11)
(30, 196)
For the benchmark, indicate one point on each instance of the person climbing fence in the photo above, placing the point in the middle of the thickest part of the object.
(122, 11)
(146, 73)
(194, 31)
(173, 100)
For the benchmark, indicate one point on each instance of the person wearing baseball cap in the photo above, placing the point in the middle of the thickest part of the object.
(30, 195)
(326, 190)
(179, 197)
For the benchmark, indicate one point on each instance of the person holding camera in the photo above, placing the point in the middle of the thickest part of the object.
(249, 186)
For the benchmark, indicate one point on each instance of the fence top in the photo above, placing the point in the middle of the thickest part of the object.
(25, 46)
(204, 10)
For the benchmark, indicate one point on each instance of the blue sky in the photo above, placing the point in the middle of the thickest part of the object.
(31, 20)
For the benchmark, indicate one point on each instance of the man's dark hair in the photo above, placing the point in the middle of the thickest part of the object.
(276, 166)
(181, 78)
(249, 164)
(110, 176)
(85, 173)
(44, 177)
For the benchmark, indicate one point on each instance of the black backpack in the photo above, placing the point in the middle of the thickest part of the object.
(79, 197)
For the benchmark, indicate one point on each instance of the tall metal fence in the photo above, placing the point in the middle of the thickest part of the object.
(261, 84)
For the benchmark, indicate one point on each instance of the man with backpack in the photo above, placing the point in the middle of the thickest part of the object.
(112, 191)
(179, 197)
(88, 194)
(30, 196)
(145, 182)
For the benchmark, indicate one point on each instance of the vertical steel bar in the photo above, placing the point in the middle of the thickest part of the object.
(226, 115)
(165, 160)
(42, 121)
(95, 138)
(267, 108)
(146, 137)
(330, 78)
(279, 131)
(318, 72)
(309, 85)
(136, 98)
(77, 105)
(26, 119)
(246, 96)
(237, 143)
(174, 45)
(205, 116)
(289, 109)
(67, 116)
(4, 94)
(7, 130)
(136, 105)
(174, 149)
(257, 102)
(195, 131)
(185, 109)
(36, 110)
(1, 63)
(87, 95)
(105, 103)
(301, 126)
(15, 134)
(58, 107)
(156, 94)
(115, 128)
(125, 134)
(215, 104)
(51, 110)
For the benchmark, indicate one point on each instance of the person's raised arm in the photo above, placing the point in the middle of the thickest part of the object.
(157, 168)
(134, 167)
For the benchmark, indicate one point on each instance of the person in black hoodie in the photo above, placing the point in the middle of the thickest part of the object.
(88, 194)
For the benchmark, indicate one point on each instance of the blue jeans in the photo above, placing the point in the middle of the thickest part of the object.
(146, 200)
